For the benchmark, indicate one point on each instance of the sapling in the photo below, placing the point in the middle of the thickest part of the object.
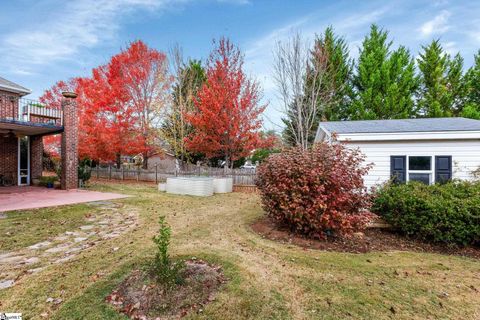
(166, 271)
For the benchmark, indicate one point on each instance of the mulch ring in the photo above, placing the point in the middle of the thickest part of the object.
(373, 239)
(139, 296)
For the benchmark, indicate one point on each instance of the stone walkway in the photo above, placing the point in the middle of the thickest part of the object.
(108, 222)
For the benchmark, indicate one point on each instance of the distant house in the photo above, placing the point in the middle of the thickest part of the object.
(426, 150)
(164, 161)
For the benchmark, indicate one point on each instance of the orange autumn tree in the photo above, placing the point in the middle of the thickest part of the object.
(110, 122)
(144, 76)
(106, 120)
(118, 104)
(227, 120)
(53, 99)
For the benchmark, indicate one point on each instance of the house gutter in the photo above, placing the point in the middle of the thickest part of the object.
(410, 136)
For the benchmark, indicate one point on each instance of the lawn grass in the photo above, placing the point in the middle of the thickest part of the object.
(23, 228)
(267, 280)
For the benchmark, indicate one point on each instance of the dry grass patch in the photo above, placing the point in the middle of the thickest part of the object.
(267, 279)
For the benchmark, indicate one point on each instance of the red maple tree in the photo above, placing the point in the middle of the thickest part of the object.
(227, 119)
(53, 99)
(118, 104)
(109, 117)
(106, 125)
(144, 76)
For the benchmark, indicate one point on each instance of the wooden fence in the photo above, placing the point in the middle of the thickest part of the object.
(241, 177)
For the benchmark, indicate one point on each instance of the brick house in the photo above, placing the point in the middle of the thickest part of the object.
(23, 124)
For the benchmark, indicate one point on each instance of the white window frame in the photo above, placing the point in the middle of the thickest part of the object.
(19, 170)
(430, 172)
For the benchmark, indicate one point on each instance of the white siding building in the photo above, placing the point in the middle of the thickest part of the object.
(427, 150)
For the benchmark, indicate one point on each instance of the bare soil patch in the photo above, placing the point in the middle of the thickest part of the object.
(139, 296)
(373, 239)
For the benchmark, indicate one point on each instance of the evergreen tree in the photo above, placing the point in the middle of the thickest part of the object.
(330, 71)
(385, 80)
(441, 87)
(472, 91)
(290, 126)
(330, 52)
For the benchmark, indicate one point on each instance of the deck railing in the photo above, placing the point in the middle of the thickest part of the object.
(15, 109)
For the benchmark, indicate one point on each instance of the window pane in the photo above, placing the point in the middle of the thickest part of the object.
(420, 177)
(419, 163)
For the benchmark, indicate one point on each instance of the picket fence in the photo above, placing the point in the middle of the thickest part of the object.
(241, 177)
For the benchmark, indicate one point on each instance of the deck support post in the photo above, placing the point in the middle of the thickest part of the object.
(69, 178)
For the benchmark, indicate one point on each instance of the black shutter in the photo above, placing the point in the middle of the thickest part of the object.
(443, 168)
(398, 168)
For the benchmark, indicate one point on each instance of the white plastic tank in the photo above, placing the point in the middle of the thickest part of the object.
(222, 185)
(194, 186)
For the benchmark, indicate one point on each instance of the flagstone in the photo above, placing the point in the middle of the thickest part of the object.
(6, 284)
(40, 245)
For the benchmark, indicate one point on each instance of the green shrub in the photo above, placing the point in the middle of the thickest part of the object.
(448, 213)
(261, 154)
(84, 170)
(167, 272)
(45, 180)
(38, 105)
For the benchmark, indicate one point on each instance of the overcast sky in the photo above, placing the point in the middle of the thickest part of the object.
(42, 42)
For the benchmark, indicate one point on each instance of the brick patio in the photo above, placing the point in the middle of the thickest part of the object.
(23, 198)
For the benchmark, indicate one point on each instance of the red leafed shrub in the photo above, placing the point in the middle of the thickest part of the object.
(318, 192)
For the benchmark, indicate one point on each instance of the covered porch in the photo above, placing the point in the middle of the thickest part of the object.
(23, 124)
(29, 197)
(21, 153)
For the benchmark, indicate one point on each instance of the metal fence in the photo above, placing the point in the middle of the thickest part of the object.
(241, 177)
(15, 109)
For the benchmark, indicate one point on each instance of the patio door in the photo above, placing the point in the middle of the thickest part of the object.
(24, 161)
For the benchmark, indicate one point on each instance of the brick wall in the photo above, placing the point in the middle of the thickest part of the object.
(69, 178)
(36, 157)
(8, 157)
(8, 106)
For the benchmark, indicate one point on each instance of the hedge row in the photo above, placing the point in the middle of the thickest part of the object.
(448, 213)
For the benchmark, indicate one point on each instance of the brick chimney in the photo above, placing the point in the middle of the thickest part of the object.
(69, 179)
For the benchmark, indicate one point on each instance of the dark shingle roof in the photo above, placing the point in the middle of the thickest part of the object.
(403, 125)
(8, 85)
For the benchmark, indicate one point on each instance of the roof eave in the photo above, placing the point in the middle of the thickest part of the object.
(321, 129)
(402, 136)
(22, 92)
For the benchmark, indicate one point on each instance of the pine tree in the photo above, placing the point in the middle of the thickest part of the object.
(331, 53)
(330, 69)
(385, 80)
(290, 127)
(472, 91)
(441, 88)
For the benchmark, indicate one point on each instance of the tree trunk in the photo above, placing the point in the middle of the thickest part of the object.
(145, 162)
(119, 160)
(226, 165)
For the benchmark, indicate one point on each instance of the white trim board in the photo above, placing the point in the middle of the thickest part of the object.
(399, 136)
